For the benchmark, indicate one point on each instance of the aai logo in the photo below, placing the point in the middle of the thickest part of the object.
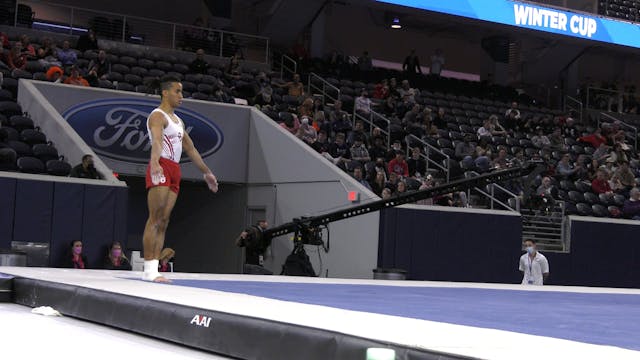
(117, 128)
(201, 320)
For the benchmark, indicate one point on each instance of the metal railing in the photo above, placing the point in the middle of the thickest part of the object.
(573, 104)
(429, 152)
(322, 88)
(138, 30)
(631, 132)
(491, 193)
(374, 120)
(607, 99)
(288, 64)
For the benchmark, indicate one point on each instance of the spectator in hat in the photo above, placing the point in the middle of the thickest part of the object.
(75, 259)
(54, 74)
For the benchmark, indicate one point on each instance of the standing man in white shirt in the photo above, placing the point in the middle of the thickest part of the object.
(533, 265)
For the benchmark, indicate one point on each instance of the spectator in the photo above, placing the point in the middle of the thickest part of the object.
(27, 48)
(386, 194)
(395, 147)
(625, 176)
(398, 165)
(291, 123)
(417, 165)
(440, 120)
(86, 170)
(75, 78)
(411, 116)
(412, 64)
(15, 59)
(54, 74)
(115, 259)
(540, 140)
(381, 90)
(546, 188)
(358, 132)
(600, 185)
(321, 145)
(401, 188)
(407, 93)
(601, 153)
(564, 169)
(255, 243)
(87, 41)
(264, 94)
(363, 104)
(199, 65)
(592, 169)
(4, 41)
(339, 150)
(378, 150)
(618, 155)
(389, 108)
(295, 87)
(364, 62)
(485, 129)
(233, 67)
(513, 111)
(75, 259)
(437, 63)
(46, 54)
(501, 161)
(556, 141)
(533, 265)
(378, 183)
(339, 119)
(482, 149)
(631, 208)
(357, 174)
(165, 264)
(359, 152)
(99, 68)
(306, 132)
(595, 140)
(66, 55)
(320, 122)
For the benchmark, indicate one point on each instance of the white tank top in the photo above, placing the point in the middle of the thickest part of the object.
(171, 137)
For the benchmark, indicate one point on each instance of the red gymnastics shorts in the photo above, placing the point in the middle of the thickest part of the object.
(170, 175)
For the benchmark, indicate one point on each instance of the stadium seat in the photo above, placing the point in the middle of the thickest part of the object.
(45, 152)
(8, 158)
(58, 168)
(32, 137)
(599, 210)
(30, 165)
(584, 209)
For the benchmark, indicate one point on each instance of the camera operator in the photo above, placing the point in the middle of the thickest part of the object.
(86, 169)
(255, 244)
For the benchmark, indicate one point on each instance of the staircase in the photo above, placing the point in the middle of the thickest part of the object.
(546, 227)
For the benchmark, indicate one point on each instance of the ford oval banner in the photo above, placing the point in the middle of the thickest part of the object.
(116, 128)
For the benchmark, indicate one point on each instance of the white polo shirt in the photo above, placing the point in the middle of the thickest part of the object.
(533, 268)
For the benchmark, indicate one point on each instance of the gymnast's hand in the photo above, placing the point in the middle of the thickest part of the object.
(212, 182)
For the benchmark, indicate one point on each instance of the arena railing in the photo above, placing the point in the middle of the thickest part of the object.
(631, 132)
(429, 152)
(72, 20)
(322, 88)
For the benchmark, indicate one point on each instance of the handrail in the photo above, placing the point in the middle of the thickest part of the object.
(598, 91)
(167, 31)
(633, 129)
(323, 90)
(293, 69)
(373, 125)
(492, 196)
(575, 101)
(430, 148)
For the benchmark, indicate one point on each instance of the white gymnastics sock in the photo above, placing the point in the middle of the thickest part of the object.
(150, 272)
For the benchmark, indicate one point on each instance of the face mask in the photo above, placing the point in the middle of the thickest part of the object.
(116, 253)
(77, 250)
(530, 249)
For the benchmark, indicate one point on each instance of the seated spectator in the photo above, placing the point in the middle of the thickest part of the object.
(264, 93)
(66, 55)
(540, 140)
(601, 153)
(75, 78)
(392, 182)
(378, 183)
(386, 194)
(75, 259)
(4, 41)
(501, 161)
(381, 90)
(595, 140)
(398, 165)
(482, 149)
(295, 87)
(233, 68)
(341, 123)
(339, 150)
(321, 145)
(378, 150)
(46, 54)
(625, 176)
(320, 122)
(27, 48)
(306, 132)
(54, 74)
(357, 174)
(412, 116)
(15, 59)
(545, 188)
(592, 169)
(199, 65)
(485, 129)
(631, 208)
(164, 264)
(86, 170)
(395, 147)
(389, 107)
(513, 111)
(359, 152)
(363, 104)
(417, 165)
(565, 169)
(556, 141)
(401, 188)
(99, 68)
(358, 132)
(87, 41)
(291, 124)
(618, 154)
(496, 128)
(600, 185)
(407, 93)
(115, 259)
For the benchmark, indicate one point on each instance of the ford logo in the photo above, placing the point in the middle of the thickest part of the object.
(117, 128)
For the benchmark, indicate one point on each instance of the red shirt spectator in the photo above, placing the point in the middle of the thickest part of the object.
(4, 40)
(600, 185)
(595, 139)
(398, 165)
(381, 90)
(15, 59)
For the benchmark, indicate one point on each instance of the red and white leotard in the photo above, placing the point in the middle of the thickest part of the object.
(171, 137)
